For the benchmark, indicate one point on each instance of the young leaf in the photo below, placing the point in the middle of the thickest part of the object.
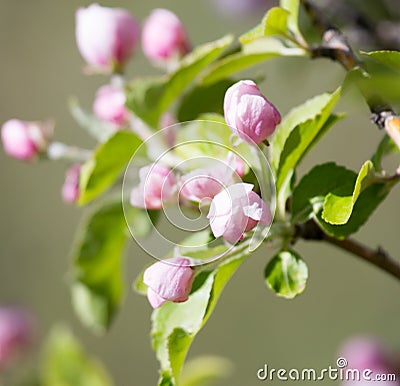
(233, 64)
(106, 164)
(388, 58)
(292, 6)
(97, 287)
(318, 108)
(176, 324)
(386, 147)
(286, 274)
(150, 98)
(66, 363)
(309, 195)
(338, 207)
(204, 370)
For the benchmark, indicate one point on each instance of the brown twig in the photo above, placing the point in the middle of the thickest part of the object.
(336, 46)
(378, 257)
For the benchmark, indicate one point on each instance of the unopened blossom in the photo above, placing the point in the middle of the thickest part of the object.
(392, 128)
(248, 112)
(70, 189)
(109, 105)
(169, 280)
(157, 186)
(106, 37)
(236, 210)
(164, 39)
(25, 140)
(16, 332)
(367, 353)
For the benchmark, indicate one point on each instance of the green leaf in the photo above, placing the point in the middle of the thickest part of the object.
(65, 363)
(106, 164)
(233, 64)
(309, 195)
(150, 98)
(386, 147)
(286, 274)
(97, 287)
(308, 111)
(176, 324)
(292, 6)
(388, 58)
(338, 207)
(204, 99)
(366, 204)
(205, 370)
(298, 133)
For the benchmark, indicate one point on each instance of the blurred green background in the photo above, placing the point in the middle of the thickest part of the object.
(40, 68)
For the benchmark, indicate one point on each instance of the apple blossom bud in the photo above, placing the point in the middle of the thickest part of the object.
(169, 280)
(208, 182)
(25, 140)
(164, 38)
(16, 332)
(157, 186)
(366, 353)
(236, 210)
(109, 105)
(70, 189)
(248, 113)
(106, 37)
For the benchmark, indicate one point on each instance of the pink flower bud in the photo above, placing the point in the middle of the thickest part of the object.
(157, 186)
(236, 210)
(164, 38)
(169, 280)
(109, 105)
(208, 182)
(248, 113)
(16, 332)
(70, 189)
(25, 140)
(106, 37)
(364, 353)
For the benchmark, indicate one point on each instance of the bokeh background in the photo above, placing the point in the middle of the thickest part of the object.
(40, 68)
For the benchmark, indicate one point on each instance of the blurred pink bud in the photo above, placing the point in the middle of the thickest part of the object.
(208, 182)
(109, 105)
(16, 330)
(364, 353)
(106, 37)
(157, 186)
(70, 189)
(240, 166)
(25, 140)
(164, 38)
(236, 210)
(169, 280)
(248, 113)
(392, 127)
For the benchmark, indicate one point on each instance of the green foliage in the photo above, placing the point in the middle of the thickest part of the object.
(286, 274)
(65, 363)
(388, 58)
(97, 287)
(106, 164)
(205, 370)
(296, 135)
(386, 147)
(334, 193)
(150, 98)
(176, 324)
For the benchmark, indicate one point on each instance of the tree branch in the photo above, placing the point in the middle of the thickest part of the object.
(377, 257)
(336, 46)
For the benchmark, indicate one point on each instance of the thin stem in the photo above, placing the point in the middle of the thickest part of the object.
(60, 151)
(378, 257)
